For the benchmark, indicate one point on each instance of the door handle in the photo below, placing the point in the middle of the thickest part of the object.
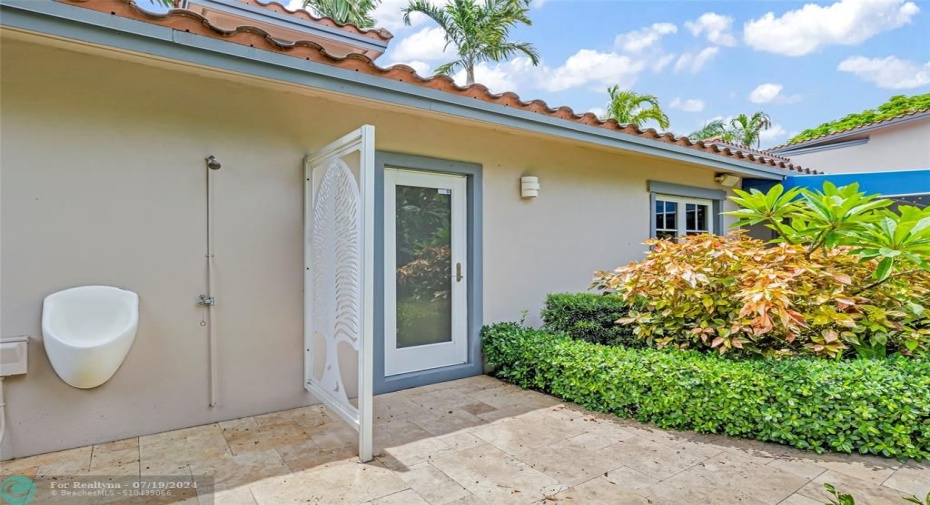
(458, 272)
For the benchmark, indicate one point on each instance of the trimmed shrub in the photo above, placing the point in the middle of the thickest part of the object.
(590, 317)
(868, 406)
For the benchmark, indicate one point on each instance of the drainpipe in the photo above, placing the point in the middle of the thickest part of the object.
(207, 300)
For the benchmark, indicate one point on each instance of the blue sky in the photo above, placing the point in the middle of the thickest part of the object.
(697, 58)
(803, 63)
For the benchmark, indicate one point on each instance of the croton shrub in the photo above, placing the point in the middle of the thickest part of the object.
(845, 275)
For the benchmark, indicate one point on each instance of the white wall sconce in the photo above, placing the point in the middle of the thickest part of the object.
(728, 180)
(529, 186)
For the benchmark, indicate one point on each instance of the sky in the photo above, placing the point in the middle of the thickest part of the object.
(803, 63)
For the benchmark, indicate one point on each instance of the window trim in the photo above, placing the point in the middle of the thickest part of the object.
(681, 220)
(715, 196)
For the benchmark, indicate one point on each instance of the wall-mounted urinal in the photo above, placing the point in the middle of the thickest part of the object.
(88, 331)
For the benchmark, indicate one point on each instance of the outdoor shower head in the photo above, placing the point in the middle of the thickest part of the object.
(213, 163)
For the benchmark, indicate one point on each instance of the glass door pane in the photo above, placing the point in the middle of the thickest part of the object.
(424, 265)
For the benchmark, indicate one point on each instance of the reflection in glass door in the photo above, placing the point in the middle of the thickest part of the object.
(425, 283)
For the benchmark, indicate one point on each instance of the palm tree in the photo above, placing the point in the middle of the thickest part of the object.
(346, 12)
(743, 130)
(713, 129)
(630, 107)
(478, 29)
(747, 130)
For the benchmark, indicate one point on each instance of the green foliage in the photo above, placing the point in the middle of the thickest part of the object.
(352, 12)
(918, 501)
(899, 242)
(895, 106)
(590, 317)
(630, 107)
(736, 295)
(844, 273)
(478, 31)
(838, 498)
(743, 129)
(867, 406)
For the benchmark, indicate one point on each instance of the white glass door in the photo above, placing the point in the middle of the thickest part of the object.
(425, 271)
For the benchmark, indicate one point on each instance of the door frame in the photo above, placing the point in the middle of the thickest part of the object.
(440, 354)
(473, 272)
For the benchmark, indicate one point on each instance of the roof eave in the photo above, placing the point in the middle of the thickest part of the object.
(69, 22)
(826, 139)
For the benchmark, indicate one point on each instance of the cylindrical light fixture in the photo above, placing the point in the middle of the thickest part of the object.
(529, 186)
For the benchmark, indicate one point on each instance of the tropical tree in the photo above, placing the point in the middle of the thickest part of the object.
(747, 130)
(351, 12)
(744, 130)
(713, 129)
(478, 29)
(630, 107)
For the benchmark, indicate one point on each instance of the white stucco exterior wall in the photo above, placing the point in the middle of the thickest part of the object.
(103, 183)
(905, 146)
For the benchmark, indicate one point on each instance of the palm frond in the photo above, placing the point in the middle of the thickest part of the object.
(478, 29)
(630, 107)
(354, 12)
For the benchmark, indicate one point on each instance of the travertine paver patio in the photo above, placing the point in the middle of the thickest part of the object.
(479, 440)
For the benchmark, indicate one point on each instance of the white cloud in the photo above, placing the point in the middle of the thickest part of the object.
(661, 62)
(598, 111)
(644, 38)
(888, 73)
(774, 133)
(771, 92)
(512, 75)
(422, 67)
(588, 67)
(811, 27)
(765, 93)
(694, 62)
(428, 44)
(717, 28)
(687, 105)
(388, 15)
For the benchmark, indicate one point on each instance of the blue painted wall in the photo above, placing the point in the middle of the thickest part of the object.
(909, 182)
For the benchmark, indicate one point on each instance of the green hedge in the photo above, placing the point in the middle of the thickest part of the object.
(868, 406)
(590, 317)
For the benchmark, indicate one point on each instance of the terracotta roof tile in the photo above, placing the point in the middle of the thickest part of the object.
(852, 130)
(375, 33)
(188, 21)
(761, 152)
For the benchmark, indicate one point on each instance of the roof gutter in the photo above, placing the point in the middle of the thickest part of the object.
(64, 21)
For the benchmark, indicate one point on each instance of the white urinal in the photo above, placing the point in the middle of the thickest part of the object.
(88, 331)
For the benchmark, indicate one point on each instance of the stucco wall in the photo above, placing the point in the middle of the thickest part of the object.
(901, 147)
(103, 183)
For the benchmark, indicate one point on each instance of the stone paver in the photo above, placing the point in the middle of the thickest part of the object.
(478, 441)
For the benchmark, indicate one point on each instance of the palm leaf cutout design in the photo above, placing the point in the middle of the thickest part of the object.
(336, 269)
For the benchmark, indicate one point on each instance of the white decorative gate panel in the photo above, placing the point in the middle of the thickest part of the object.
(338, 279)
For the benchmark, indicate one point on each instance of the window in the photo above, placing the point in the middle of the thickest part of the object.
(676, 217)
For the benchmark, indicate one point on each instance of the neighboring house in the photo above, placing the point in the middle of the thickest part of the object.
(414, 233)
(899, 143)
